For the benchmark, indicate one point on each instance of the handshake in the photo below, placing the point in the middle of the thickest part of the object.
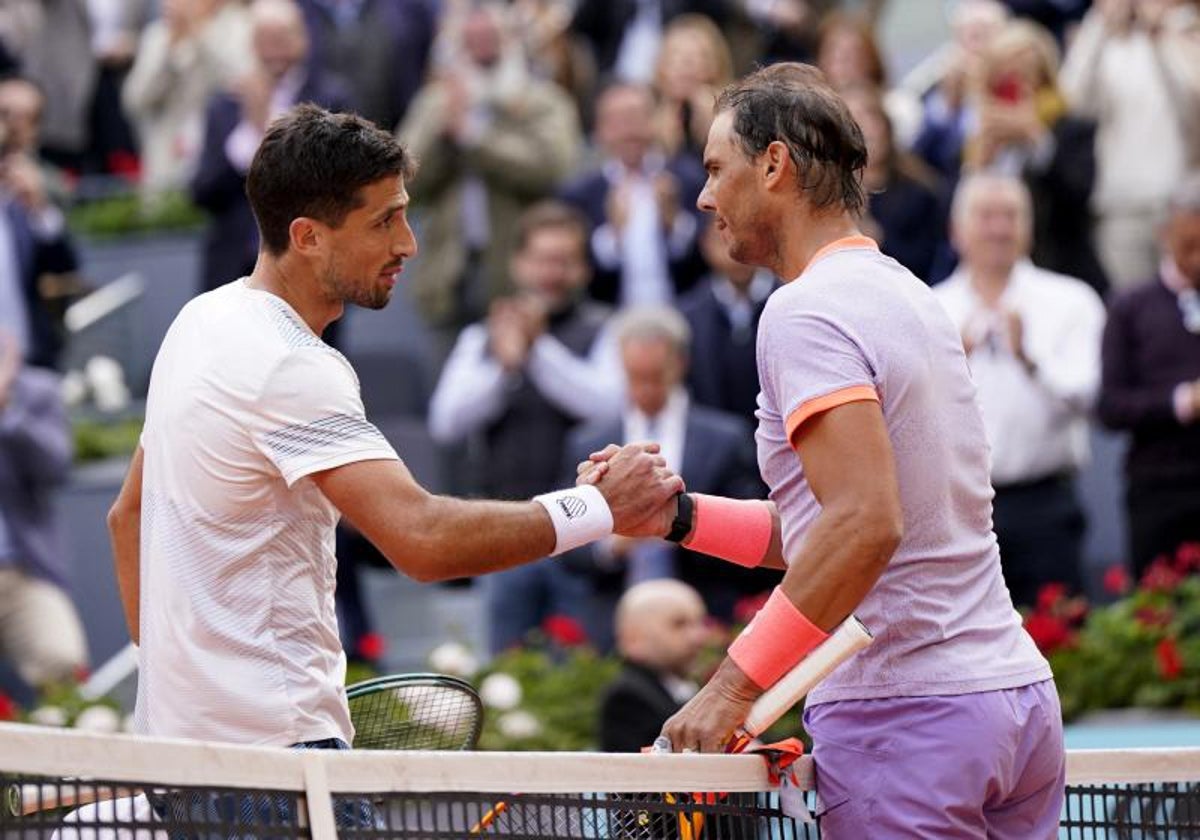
(640, 490)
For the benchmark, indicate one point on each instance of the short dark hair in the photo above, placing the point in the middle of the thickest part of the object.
(551, 214)
(794, 104)
(313, 163)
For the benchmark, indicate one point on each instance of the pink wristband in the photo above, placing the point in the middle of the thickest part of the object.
(775, 641)
(736, 530)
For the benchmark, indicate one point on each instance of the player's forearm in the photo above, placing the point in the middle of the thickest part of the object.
(452, 538)
(728, 528)
(841, 558)
(125, 527)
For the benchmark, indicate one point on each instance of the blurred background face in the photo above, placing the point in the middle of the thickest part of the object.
(867, 111)
(20, 114)
(686, 64)
(280, 40)
(1182, 240)
(975, 22)
(625, 124)
(844, 57)
(669, 634)
(653, 368)
(481, 38)
(552, 266)
(992, 230)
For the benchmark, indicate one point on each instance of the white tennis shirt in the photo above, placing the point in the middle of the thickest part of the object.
(239, 639)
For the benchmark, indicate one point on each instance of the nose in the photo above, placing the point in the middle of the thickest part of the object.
(405, 243)
(705, 200)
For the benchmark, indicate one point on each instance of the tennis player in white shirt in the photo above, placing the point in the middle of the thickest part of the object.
(256, 443)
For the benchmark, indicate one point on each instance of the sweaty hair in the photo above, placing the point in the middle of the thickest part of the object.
(313, 163)
(792, 103)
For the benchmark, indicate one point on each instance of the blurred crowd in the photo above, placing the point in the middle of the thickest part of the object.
(1039, 170)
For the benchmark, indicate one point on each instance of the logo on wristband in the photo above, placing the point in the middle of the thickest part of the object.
(572, 507)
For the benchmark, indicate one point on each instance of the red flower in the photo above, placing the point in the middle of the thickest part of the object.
(746, 608)
(564, 630)
(1187, 557)
(371, 646)
(1170, 661)
(1048, 633)
(1153, 617)
(1049, 595)
(124, 163)
(1116, 580)
(1074, 611)
(8, 709)
(1161, 577)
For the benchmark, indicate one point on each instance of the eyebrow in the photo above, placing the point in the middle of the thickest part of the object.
(392, 209)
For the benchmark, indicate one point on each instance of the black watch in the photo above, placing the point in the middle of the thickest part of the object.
(681, 526)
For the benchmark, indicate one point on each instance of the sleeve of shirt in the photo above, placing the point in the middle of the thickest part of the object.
(1070, 370)
(311, 417)
(811, 365)
(588, 388)
(471, 391)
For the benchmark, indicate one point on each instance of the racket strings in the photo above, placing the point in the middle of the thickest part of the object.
(416, 717)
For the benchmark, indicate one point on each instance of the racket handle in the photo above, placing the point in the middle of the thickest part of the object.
(23, 800)
(850, 637)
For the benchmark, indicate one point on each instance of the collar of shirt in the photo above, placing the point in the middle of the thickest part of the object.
(666, 429)
(681, 690)
(652, 164)
(760, 288)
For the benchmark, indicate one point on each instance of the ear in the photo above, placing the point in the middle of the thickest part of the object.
(306, 236)
(777, 166)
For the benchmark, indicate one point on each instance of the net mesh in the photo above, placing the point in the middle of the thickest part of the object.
(69, 786)
(415, 712)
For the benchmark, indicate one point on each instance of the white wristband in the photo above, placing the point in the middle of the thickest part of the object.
(580, 515)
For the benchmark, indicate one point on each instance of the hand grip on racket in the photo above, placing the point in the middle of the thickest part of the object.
(850, 637)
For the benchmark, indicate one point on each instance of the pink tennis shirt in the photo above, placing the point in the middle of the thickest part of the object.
(856, 325)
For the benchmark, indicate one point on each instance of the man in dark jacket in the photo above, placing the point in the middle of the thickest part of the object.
(660, 631)
(1150, 386)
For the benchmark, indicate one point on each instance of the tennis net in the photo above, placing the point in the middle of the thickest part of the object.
(125, 788)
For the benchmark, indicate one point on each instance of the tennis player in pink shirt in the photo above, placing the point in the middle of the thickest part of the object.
(873, 447)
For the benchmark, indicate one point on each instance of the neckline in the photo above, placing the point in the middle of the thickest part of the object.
(845, 243)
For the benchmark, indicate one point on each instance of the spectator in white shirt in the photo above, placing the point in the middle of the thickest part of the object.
(513, 387)
(1032, 339)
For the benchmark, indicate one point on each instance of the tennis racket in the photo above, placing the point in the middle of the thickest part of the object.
(398, 712)
(415, 712)
(640, 822)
